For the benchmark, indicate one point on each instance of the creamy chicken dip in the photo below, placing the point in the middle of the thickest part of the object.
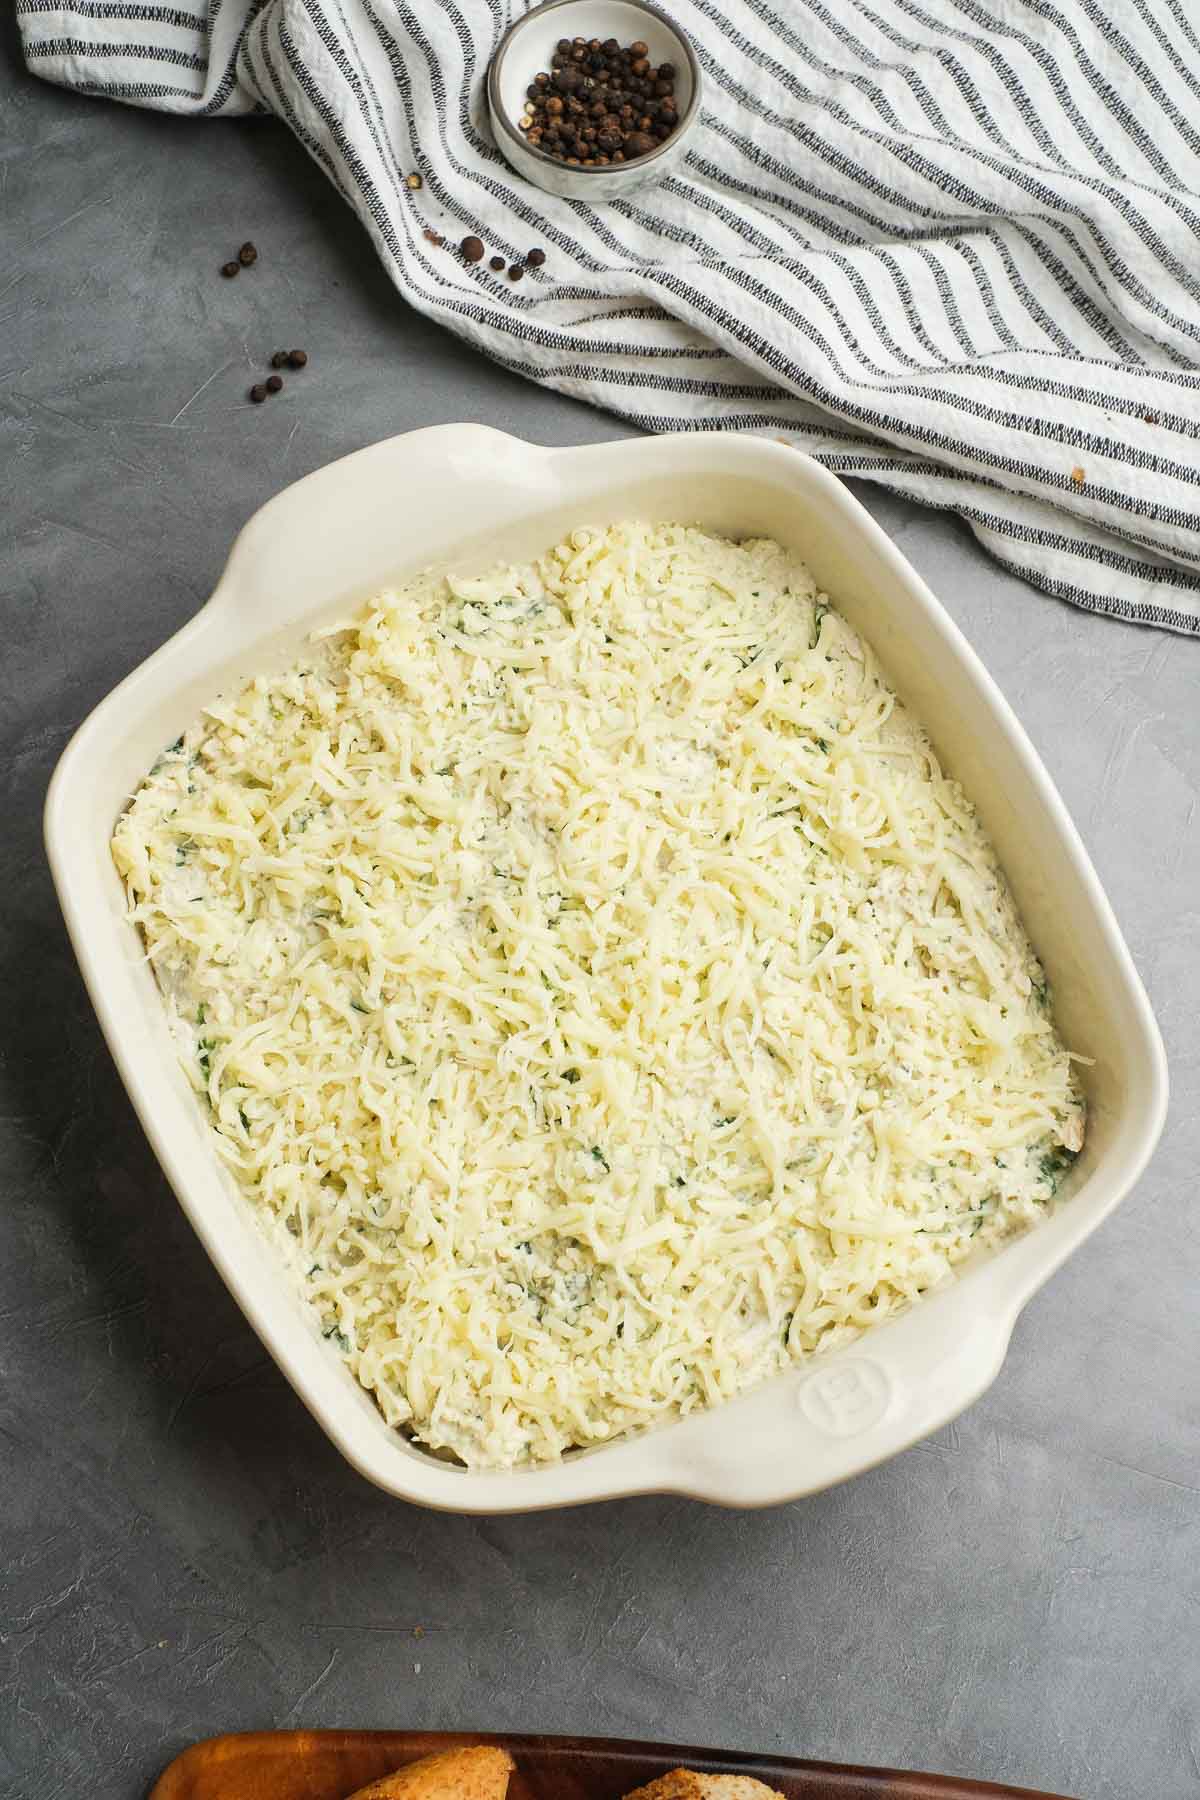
(597, 987)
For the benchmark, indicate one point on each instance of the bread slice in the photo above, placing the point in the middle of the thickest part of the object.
(477, 1773)
(689, 1784)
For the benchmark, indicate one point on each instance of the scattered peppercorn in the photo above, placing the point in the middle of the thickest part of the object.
(599, 104)
(414, 182)
(472, 249)
(435, 237)
(230, 269)
(258, 393)
(247, 255)
(497, 263)
(536, 258)
(297, 358)
(274, 383)
(279, 360)
(515, 271)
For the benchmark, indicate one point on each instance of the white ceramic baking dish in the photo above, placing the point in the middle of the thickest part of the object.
(465, 496)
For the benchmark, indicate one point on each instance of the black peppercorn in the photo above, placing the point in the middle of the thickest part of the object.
(472, 249)
(258, 393)
(297, 358)
(280, 359)
(536, 258)
(274, 384)
(230, 269)
(599, 103)
(515, 271)
(247, 255)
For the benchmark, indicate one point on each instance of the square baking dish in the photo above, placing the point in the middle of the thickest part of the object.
(464, 497)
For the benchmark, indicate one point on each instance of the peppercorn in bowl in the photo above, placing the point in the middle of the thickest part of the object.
(592, 99)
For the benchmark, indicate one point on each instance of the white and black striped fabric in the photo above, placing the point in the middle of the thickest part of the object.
(952, 247)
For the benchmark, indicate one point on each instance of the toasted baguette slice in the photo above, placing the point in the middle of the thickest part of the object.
(689, 1784)
(478, 1773)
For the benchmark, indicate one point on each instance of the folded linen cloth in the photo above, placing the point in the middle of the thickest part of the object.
(951, 248)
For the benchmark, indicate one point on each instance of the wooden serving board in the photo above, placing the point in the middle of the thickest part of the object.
(331, 1765)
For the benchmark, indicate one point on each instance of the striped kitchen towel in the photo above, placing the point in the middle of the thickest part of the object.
(951, 247)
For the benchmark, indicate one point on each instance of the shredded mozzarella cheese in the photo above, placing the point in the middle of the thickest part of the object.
(595, 980)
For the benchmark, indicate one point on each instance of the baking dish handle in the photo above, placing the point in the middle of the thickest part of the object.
(850, 1409)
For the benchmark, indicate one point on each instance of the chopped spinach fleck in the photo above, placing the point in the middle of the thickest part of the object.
(1054, 1165)
(819, 612)
(571, 1075)
(601, 1159)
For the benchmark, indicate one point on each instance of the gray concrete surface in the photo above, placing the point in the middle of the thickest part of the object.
(181, 1552)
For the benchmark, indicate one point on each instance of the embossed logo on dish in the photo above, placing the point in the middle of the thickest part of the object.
(846, 1398)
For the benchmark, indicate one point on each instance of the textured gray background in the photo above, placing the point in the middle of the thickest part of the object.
(182, 1552)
